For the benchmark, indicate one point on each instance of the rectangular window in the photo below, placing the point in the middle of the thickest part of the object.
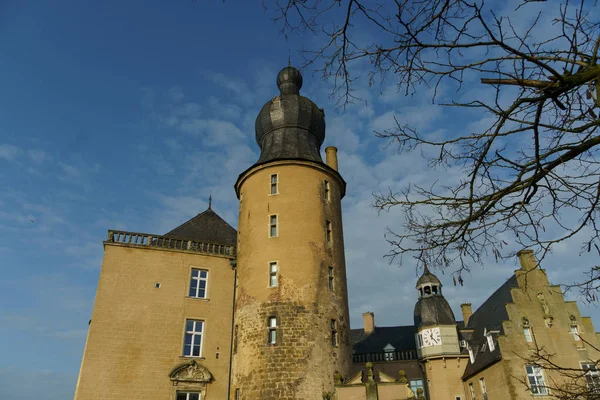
(389, 356)
(471, 355)
(272, 274)
(273, 226)
(535, 375)
(237, 394)
(415, 385)
(198, 283)
(192, 346)
(490, 341)
(330, 278)
(188, 396)
(527, 333)
(274, 184)
(334, 337)
(272, 330)
(328, 231)
(235, 339)
(472, 391)
(482, 386)
(326, 189)
(575, 332)
(592, 376)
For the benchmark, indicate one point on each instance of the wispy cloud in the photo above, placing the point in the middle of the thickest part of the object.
(9, 152)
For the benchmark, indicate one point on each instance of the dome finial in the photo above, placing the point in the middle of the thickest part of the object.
(289, 80)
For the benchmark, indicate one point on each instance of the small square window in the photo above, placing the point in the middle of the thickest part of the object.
(273, 226)
(274, 182)
(272, 274)
(198, 283)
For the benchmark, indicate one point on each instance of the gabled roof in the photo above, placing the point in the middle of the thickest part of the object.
(206, 227)
(402, 338)
(489, 316)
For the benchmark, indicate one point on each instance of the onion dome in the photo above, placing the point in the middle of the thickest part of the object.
(432, 308)
(290, 126)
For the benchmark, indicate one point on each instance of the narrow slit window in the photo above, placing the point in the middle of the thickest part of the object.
(472, 391)
(274, 183)
(575, 332)
(482, 386)
(328, 231)
(330, 277)
(527, 333)
(235, 340)
(326, 189)
(272, 339)
(272, 274)
(334, 334)
(273, 226)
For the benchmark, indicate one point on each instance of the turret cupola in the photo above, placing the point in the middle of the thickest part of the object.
(290, 126)
(431, 308)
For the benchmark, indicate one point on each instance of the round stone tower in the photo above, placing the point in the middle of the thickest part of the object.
(291, 309)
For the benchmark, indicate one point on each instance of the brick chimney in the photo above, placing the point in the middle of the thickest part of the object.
(368, 322)
(467, 311)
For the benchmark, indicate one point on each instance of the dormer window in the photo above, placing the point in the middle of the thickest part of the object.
(490, 341)
(471, 355)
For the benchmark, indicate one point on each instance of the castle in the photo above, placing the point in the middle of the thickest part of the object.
(206, 311)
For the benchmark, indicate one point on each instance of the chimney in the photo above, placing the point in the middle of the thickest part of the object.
(331, 158)
(368, 322)
(467, 311)
(527, 259)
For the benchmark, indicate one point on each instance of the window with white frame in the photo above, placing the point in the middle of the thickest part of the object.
(330, 278)
(472, 391)
(416, 384)
(575, 332)
(273, 226)
(490, 341)
(198, 283)
(482, 386)
(189, 396)
(389, 355)
(471, 355)
(272, 338)
(192, 346)
(328, 231)
(326, 189)
(274, 182)
(527, 333)
(592, 376)
(272, 274)
(535, 376)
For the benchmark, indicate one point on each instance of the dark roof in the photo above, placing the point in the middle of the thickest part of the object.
(428, 277)
(206, 227)
(433, 310)
(401, 337)
(489, 316)
(290, 126)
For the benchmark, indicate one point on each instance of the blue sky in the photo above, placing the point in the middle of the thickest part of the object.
(127, 115)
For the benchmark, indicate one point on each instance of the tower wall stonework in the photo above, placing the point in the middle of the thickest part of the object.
(302, 364)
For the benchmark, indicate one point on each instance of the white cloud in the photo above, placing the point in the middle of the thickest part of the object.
(9, 152)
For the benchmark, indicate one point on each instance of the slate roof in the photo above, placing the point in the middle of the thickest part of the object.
(489, 316)
(433, 310)
(206, 227)
(401, 337)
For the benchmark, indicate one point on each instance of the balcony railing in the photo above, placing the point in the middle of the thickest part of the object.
(165, 242)
(385, 356)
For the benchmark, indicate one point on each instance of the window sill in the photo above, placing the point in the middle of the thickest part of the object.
(198, 298)
(192, 357)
